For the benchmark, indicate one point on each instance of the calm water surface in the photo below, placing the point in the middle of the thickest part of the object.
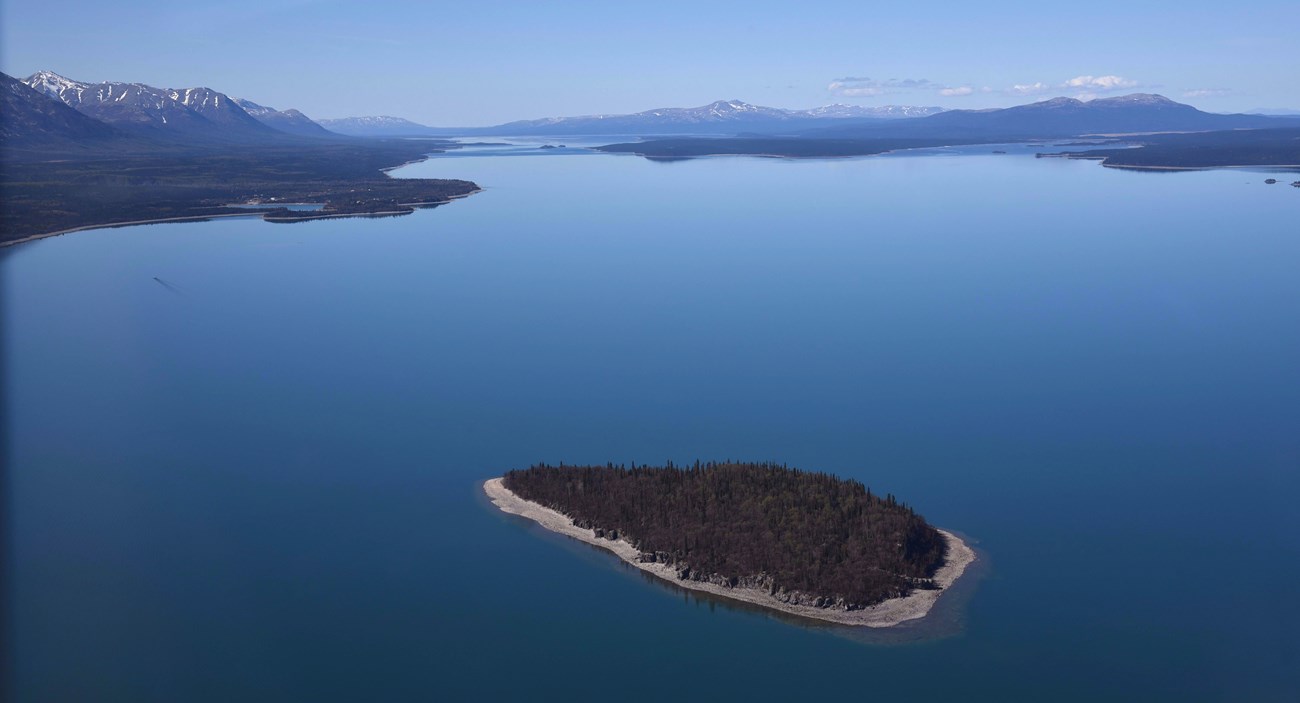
(244, 459)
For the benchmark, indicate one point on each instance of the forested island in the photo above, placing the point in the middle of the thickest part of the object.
(801, 542)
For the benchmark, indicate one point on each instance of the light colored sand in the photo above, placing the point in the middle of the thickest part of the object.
(886, 614)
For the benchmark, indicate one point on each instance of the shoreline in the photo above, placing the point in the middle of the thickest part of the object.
(886, 614)
(250, 213)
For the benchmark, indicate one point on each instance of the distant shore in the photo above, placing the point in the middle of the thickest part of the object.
(886, 614)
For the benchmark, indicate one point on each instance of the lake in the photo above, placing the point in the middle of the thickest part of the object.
(244, 459)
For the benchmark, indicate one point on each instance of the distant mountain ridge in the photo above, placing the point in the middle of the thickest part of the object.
(1274, 111)
(718, 117)
(1058, 117)
(378, 126)
(290, 121)
(722, 116)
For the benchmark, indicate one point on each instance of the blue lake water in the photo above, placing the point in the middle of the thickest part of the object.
(244, 459)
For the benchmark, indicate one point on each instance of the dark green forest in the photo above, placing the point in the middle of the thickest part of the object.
(805, 537)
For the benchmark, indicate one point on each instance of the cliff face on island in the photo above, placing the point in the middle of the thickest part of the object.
(806, 539)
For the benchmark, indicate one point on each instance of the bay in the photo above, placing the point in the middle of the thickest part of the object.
(244, 459)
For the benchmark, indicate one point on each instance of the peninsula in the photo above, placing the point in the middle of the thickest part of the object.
(804, 543)
(74, 158)
(63, 193)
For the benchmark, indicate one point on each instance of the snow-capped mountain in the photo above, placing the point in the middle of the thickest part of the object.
(194, 112)
(32, 119)
(291, 121)
(127, 105)
(718, 111)
(217, 107)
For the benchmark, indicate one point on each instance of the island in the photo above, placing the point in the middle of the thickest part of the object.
(804, 543)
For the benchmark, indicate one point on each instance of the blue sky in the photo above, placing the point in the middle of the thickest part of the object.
(483, 62)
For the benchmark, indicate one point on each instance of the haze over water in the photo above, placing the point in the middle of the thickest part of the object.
(245, 458)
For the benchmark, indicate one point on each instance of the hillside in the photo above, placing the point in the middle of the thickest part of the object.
(289, 121)
(33, 120)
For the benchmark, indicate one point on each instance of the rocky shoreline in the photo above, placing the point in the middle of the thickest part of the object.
(755, 589)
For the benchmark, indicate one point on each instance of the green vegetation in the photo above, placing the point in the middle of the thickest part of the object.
(804, 537)
(51, 192)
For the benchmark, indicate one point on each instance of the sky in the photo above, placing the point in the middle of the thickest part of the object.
(485, 62)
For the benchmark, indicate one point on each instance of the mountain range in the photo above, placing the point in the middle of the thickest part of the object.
(188, 115)
(1127, 115)
(48, 109)
(721, 117)
(1057, 117)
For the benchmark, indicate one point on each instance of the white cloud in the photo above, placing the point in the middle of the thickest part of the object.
(847, 91)
(1028, 89)
(1083, 87)
(863, 87)
(1205, 92)
(1099, 84)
